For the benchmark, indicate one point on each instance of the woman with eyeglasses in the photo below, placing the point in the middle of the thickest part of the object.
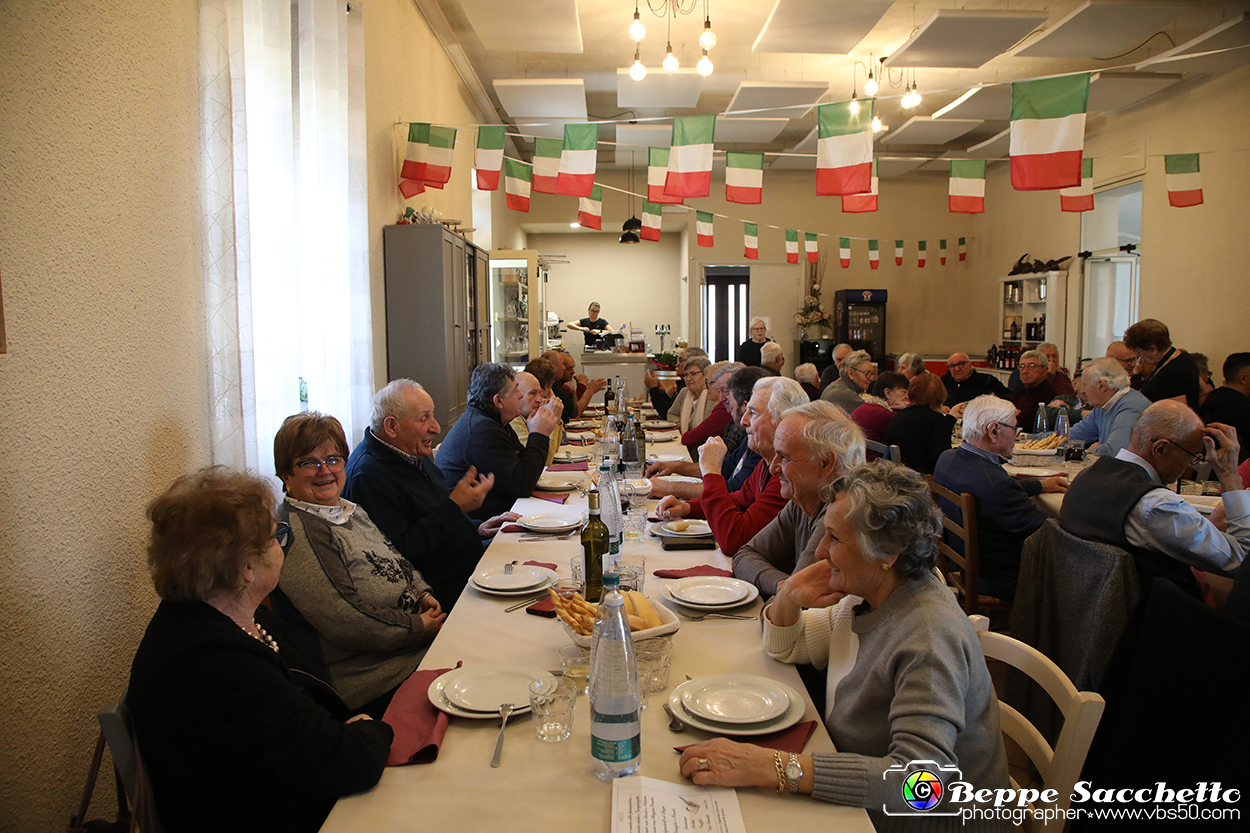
(749, 350)
(360, 612)
(692, 404)
(232, 738)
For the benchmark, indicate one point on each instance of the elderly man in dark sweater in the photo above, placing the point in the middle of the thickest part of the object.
(481, 439)
(391, 474)
(1006, 513)
(964, 382)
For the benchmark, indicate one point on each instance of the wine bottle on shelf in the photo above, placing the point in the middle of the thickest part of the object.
(1015, 330)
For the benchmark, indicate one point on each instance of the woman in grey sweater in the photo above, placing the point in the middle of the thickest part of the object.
(907, 681)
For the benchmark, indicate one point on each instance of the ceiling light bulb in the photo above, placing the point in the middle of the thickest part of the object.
(910, 99)
(854, 105)
(870, 86)
(575, 225)
(670, 60)
(704, 67)
(876, 124)
(637, 71)
(708, 39)
(636, 30)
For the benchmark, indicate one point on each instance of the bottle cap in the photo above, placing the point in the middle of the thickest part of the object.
(611, 579)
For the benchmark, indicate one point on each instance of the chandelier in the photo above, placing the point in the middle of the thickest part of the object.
(670, 9)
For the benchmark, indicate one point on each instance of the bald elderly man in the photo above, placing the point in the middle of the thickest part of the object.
(964, 382)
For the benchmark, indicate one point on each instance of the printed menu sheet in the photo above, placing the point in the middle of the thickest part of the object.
(649, 805)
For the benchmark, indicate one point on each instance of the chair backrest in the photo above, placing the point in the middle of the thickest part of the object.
(1060, 766)
(889, 452)
(966, 531)
(119, 732)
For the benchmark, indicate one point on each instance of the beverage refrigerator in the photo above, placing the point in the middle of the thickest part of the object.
(859, 320)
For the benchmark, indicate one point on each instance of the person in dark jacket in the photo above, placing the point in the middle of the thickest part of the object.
(232, 738)
(1175, 374)
(749, 350)
(921, 431)
(481, 439)
(1230, 404)
(392, 474)
(964, 383)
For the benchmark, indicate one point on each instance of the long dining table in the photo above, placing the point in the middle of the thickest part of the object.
(551, 786)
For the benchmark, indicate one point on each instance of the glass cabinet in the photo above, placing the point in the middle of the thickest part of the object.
(518, 279)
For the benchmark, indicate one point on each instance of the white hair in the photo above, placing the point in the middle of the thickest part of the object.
(912, 362)
(770, 352)
(755, 321)
(1108, 371)
(829, 432)
(806, 372)
(854, 360)
(391, 401)
(1036, 355)
(983, 412)
(783, 394)
(724, 368)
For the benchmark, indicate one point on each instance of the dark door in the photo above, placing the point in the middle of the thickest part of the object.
(726, 310)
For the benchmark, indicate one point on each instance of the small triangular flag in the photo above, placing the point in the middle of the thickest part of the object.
(703, 228)
(810, 246)
(963, 249)
(898, 252)
(874, 254)
(942, 251)
(751, 240)
(792, 246)
(922, 253)
(844, 251)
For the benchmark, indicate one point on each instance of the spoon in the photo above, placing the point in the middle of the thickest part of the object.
(505, 711)
(674, 723)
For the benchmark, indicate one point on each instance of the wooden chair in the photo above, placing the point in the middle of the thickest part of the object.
(963, 571)
(119, 731)
(887, 452)
(1059, 767)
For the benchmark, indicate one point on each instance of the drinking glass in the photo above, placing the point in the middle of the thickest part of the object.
(551, 707)
(632, 569)
(575, 566)
(575, 661)
(653, 670)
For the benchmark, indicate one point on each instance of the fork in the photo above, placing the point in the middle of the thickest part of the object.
(505, 711)
(568, 534)
(699, 617)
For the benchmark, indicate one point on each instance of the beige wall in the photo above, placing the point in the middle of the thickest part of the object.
(103, 394)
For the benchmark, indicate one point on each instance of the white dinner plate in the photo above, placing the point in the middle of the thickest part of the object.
(753, 593)
(1033, 471)
(571, 457)
(486, 687)
(662, 436)
(521, 577)
(792, 716)
(576, 424)
(439, 701)
(656, 528)
(658, 423)
(680, 478)
(735, 698)
(548, 578)
(667, 458)
(709, 590)
(556, 484)
(580, 436)
(1205, 504)
(548, 523)
(694, 529)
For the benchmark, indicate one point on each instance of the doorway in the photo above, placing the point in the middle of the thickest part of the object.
(726, 302)
(1112, 232)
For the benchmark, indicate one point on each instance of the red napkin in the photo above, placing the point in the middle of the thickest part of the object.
(572, 441)
(512, 528)
(561, 498)
(787, 740)
(697, 570)
(418, 726)
(546, 564)
(546, 607)
(567, 467)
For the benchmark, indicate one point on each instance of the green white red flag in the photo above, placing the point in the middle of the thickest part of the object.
(744, 177)
(1184, 179)
(1048, 132)
(488, 157)
(412, 173)
(862, 203)
(651, 214)
(1080, 198)
(690, 157)
(811, 246)
(547, 165)
(898, 252)
(967, 186)
(576, 176)
(590, 209)
(751, 240)
(703, 228)
(963, 249)
(922, 254)
(942, 251)
(844, 251)
(438, 157)
(874, 254)
(844, 148)
(792, 246)
(657, 173)
(517, 177)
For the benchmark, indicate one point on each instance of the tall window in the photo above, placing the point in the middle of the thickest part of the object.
(285, 237)
(726, 290)
(1110, 276)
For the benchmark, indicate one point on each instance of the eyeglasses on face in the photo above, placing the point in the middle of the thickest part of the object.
(282, 533)
(690, 373)
(868, 374)
(311, 465)
(1194, 457)
(956, 365)
(1029, 366)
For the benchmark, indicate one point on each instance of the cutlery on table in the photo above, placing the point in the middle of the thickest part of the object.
(699, 617)
(525, 603)
(560, 537)
(674, 722)
(507, 568)
(505, 711)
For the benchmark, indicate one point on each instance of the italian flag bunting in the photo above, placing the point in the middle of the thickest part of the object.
(744, 177)
(967, 187)
(922, 253)
(751, 240)
(792, 246)
(810, 246)
(547, 154)
(690, 157)
(657, 173)
(576, 177)
(942, 251)
(874, 254)
(844, 251)
(651, 214)
(1184, 179)
(963, 249)
(488, 158)
(862, 203)
(703, 227)
(844, 149)
(1080, 198)
(898, 252)
(516, 183)
(438, 158)
(412, 174)
(590, 209)
(1048, 132)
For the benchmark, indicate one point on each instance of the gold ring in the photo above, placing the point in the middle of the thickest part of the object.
(703, 767)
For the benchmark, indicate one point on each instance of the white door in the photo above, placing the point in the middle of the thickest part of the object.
(1110, 301)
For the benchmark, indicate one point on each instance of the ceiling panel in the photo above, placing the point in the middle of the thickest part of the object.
(542, 97)
(659, 88)
(808, 145)
(1102, 28)
(796, 96)
(789, 163)
(889, 167)
(995, 147)
(1232, 33)
(925, 130)
(1112, 91)
(965, 37)
(988, 103)
(819, 26)
(550, 128)
(747, 131)
(637, 138)
(545, 26)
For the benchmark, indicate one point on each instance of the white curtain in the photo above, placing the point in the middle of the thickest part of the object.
(285, 238)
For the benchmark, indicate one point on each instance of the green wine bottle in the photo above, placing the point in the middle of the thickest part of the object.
(594, 548)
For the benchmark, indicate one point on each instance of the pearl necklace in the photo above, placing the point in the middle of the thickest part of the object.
(263, 637)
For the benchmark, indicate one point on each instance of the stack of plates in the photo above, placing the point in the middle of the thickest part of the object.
(657, 424)
(661, 436)
(710, 593)
(571, 457)
(524, 580)
(549, 483)
(694, 529)
(668, 458)
(737, 704)
(477, 691)
(549, 523)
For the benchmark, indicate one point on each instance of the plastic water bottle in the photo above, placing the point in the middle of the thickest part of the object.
(615, 727)
(610, 510)
(1061, 425)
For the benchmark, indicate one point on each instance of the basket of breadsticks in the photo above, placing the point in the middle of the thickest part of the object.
(1036, 450)
(645, 620)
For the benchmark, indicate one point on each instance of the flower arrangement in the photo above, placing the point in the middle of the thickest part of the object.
(811, 314)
